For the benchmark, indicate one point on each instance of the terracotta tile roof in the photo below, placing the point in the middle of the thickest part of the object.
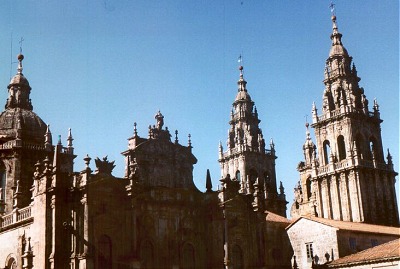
(354, 226)
(385, 252)
(276, 218)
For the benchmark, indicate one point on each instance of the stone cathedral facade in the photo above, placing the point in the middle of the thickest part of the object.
(154, 217)
(52, 216)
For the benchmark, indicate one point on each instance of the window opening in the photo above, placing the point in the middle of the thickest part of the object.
(310, 253)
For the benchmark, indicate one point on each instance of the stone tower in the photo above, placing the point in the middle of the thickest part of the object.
(22, 139)
(345, 176)
(246, 159)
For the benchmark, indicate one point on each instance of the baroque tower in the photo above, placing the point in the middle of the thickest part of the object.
(246, 159)
(345, 176)
(22, 139)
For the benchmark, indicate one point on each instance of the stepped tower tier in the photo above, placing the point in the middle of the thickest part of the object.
(246, 159)
(345, 176)
(157, 161)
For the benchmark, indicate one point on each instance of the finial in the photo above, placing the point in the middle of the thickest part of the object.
(134, 129)
(189, 141)
(20, 57)
(176, 137)
(240, 61)
(306, 121)
(208, 181)
(69, 138)
(87, 161)
(150, 132)
(281, 188)
(271, 143)
(47, 136)
(59, 140)
(389, 157)
(376, 106)
(333, 11)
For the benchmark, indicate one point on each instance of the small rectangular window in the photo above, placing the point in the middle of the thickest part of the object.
(353, 243)
(309, 249)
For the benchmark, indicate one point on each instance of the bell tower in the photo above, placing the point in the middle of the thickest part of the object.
(345, 176)
(246, 159)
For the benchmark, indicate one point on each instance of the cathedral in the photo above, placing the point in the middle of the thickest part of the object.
(52, 216)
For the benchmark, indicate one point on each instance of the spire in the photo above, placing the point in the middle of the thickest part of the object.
(47, 138)
(241, 82)
(70, 148)
(69, 138)
(336, 37)
(208, 181)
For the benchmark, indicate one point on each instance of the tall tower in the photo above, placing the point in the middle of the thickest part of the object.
(247, 160)
(22, 144)
(345, 176)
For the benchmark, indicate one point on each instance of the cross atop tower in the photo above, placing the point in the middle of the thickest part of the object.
(20, 44)
(333, 10)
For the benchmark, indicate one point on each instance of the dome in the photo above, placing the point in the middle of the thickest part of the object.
(242, 96)
(338, 50)
(19, 79)
(32, 126)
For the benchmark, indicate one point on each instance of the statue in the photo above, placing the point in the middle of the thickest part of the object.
(160, 120)
(104, 166)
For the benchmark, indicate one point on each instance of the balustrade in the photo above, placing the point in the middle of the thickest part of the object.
(15, 217)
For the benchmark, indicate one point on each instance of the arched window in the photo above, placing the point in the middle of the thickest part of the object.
(253, 175)
(104, 255)
(360, 145)
(188, 257)
(373, 148)
(146, 254)
(341, 147)
(237, 176)
(11, 263)
(327, 151)
(237, 257)
(308, 187)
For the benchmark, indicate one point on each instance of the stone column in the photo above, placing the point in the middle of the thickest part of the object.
(87, 255)
(325, 198)
(344, 201)
(335, 196)
(53, 231)
(353, 192)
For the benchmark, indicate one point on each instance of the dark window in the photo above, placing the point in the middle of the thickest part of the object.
(253, 176)
(310, 253)
(308, 187)
(105, 252)
(237, 175)
(188, 257)
(374, 242)
(353, 243)
(327, 151)
(147, 254)
(237, 258)
(341, 147)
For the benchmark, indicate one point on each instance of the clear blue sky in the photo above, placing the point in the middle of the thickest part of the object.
(99, 66)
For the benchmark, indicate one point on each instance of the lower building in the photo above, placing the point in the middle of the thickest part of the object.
(317, 241)
(385, 256)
